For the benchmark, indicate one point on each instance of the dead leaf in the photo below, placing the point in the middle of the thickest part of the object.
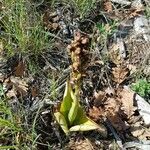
(99, 98)
(11, 93)
(80, 144)
(127, 100)
(119, 74)
(132, 68)
(134, 13)
(34, 91)
(137, 5)
(117, 122)
(122, 2)
(114, 114)
(140, 132)
(114, 54)
(108, 6)
(110, 91)
(19, 69)
(95, 113)
(17, 86)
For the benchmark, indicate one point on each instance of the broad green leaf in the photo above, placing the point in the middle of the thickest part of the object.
(62, 121)
(88, 125)
(83, 123)
(67, 101)
(71, 114)
(74, 108)
(85, 126)
(80, 117)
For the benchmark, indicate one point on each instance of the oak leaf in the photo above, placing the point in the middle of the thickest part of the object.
(127, 100)
(119, 74)
(95, 113)
(17, 86)
(19, 69)
(99, 96)
(108, 6)
(114, 114)
(114, 54)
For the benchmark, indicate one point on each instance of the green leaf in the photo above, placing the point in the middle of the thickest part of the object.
(74, 108)
(67, 101)
(62, 121)
(88, 125)
(83, 123)
(80, 117)
(85, 126)
(72, 115)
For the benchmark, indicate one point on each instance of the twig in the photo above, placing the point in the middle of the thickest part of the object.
(118, 140)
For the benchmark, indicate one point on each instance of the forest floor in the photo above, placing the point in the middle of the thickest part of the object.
(43, 43)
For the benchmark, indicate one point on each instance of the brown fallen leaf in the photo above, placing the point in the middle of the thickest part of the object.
(108, 6)
(110, 91)
(80, 144)
(11, 93)
(115, 55)
(17, 86)
(114, 114)
(132, 13)
(132, 68)
(126, 97)
(34, 91)
(140, 132)
(119, 74)
(95, 113)
(19, 69)
(100, 97)
(118, 123)
(111, 109)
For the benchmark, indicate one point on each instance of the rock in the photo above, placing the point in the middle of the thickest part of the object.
(141, 27)
(137, 4)
(144, 109)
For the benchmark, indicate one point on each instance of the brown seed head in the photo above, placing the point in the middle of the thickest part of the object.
(78, 50)
(84, 40)
(75, 66)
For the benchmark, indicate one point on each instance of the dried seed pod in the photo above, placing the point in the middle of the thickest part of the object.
(78, 50)
(85, 40)
(75, 66)
(76, 44)
(77, 37)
